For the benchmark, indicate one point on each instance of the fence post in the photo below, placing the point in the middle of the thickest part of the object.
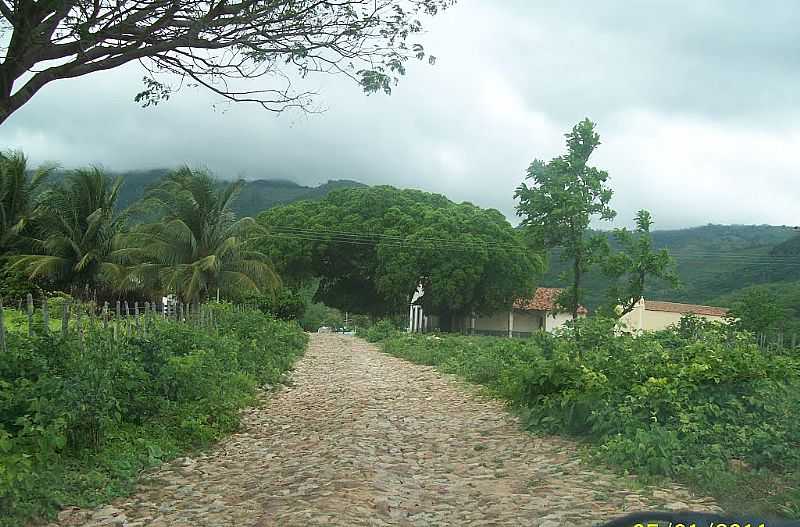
(180, 311)
(136, 316)
(2, 329)
(79, 320)
(80, 330)
(92, 316)
(65, 318)
(45, 315)
(146, 318)
(105, 315)
(30, 314)
(127, 323)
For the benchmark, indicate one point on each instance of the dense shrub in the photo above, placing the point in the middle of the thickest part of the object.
(681, 403)
(283, 304)
(318, 315)
(380, 331)
(78, 422)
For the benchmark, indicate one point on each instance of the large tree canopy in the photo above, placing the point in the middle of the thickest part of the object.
(373, 246)
(212, 43)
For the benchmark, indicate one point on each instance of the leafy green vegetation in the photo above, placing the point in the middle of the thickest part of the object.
(700, 402)
(74, 231)
(79, 422)
(766, 309)
(318, 315)
(198, 245)
(181, 238)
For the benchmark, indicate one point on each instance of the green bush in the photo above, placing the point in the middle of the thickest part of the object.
(283, 304)
(680, 403)
(318, 315)
(78, 422)
(380, 331)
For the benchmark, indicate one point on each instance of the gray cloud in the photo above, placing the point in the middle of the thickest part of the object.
(695, 103)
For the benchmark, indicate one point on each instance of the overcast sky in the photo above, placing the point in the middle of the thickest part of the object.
(695, 101)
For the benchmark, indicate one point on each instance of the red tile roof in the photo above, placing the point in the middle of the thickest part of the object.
(673, 307)
(544, 299)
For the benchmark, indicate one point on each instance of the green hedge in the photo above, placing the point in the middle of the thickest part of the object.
(77, 424)
(680, 403)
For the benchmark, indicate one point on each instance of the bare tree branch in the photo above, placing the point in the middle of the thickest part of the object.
(211, 42)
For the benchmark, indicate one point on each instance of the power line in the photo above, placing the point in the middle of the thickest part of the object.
(329, 235)
(473, 245)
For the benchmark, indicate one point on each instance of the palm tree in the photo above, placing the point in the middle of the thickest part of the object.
(198, 246)
(77, 231)
(18, 192)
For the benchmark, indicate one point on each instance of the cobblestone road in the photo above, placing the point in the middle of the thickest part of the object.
(362, 438)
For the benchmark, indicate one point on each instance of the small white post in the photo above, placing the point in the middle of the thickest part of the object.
(411, 318)
(511, 323)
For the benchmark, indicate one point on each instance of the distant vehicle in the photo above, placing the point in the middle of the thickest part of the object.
(325, 329)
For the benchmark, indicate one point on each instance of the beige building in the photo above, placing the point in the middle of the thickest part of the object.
(527, 315)
(653, 315)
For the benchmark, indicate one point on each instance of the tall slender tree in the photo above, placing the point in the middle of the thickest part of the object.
(557, 207)
(634, 265)
(198, 245)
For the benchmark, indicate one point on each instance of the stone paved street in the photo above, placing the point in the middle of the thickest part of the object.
(362, 438)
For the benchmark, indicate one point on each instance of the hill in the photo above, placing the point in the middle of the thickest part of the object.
(713, 261)
(257, 195)
(261, 194)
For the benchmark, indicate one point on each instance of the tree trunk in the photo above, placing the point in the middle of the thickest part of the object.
(576, 285)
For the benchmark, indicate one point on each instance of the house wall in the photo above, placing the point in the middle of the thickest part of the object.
(496, 322)
(557, 320)
(528, 321)
(525, 322)
(641, 319)
(655, 320)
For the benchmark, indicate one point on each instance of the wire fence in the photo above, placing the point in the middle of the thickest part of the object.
(778, 340)
(123, 319)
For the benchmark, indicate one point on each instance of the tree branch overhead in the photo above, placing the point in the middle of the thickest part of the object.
(213, 43)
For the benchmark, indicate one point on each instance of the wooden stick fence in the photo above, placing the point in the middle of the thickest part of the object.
(126, 321)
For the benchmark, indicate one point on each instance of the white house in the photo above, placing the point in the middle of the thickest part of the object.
(653, 315)
(526, 316)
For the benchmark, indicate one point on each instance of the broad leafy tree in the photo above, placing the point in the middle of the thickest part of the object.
(214, 44)
(635, 264)
(198, 245)
(76, 233)
(19, 189)
(759, 310)
(558, 203)
(372, 247)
